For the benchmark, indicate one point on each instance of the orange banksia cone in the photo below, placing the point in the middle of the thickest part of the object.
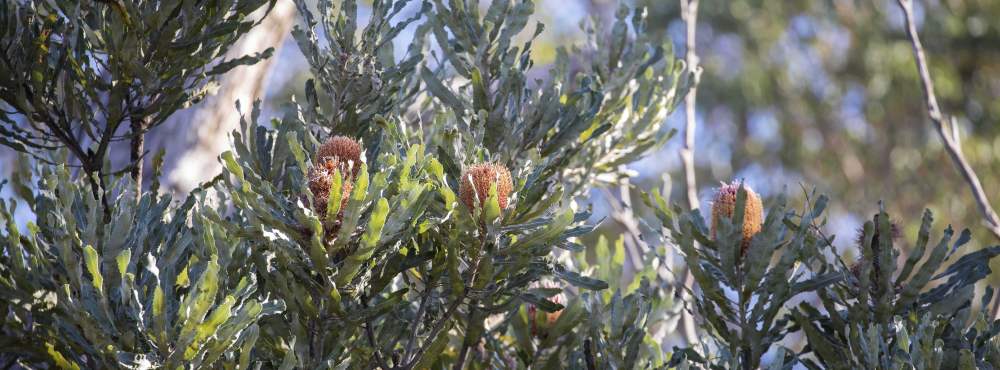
(346, 150)
(724, 205)
(477, 180)
(321, 179)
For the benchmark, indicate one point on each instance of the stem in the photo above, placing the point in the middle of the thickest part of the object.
(377, 353)
(416, 321)
(588, 355)
(138, 127)
(950, 140)
(746, 326)
(467, 342)
(689, 13)
(444, 319)
(434, 332)
(473, 318)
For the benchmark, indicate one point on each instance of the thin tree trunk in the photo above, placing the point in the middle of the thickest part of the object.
(689, 13)
(194, 161)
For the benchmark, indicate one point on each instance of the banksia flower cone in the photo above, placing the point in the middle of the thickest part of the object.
(724, 205)
(347, 151)
(321, 179)
(477, 180)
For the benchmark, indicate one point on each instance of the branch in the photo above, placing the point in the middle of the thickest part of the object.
(138, 127)
(467, 341)
(588, 355)
(416, 320)
(444, 319)
(951, 144)
(377, 352)
(689, 13)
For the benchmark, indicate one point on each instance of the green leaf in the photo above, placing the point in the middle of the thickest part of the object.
(91, 260)
(438, 90)
(334, 197)
(580, 280)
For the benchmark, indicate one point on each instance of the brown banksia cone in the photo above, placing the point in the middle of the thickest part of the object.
(346, 150)
(321, 178)
(477, 180)
(724, 205)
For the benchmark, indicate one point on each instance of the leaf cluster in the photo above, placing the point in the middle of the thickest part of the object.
(76, 73)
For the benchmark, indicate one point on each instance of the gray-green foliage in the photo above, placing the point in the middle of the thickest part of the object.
(156, 286)
(742, 296)
(249, 271)
(357, 72)
(408, 278)
(918, 315)
(245, 271)
(871, 315)
(602, 106)
(74, 74)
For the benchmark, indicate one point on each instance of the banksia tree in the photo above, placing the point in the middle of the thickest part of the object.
(109, 274)
(159, 286)
(305, 253)
(82, 75)
(262, 273)
(404, 282)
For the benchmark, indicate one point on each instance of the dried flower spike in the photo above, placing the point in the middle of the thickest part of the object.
(346, 150)
(876, 270)
(476, 183)
(724, 205)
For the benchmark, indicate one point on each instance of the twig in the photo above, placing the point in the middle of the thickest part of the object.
(416, 320)
(434, 332)
(622, 213)
(951, 143)
(444, 319)
(689, 13)
(951, 140)
(371, 340)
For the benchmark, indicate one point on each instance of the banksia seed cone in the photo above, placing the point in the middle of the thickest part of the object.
(476, 181)
(346, 150)
(321, 179)
(724, 205)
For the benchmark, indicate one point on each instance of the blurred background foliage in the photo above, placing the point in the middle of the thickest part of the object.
(822, 93)
(826, 94)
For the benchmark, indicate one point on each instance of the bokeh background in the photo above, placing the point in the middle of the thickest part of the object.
(795, 95)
